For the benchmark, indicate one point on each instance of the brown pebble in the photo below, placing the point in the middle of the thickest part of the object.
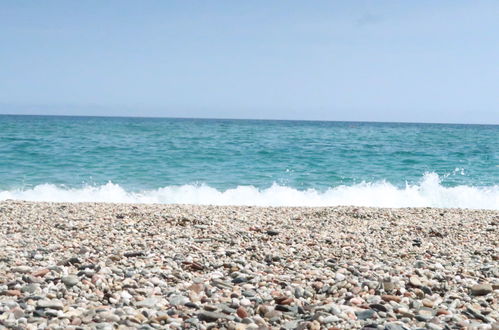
(196, 287)
(419, 293)
(263, 309)
(356, 301)
(415, 281)
(443, 312)
(427, 303)
(351, 316)
(41, 272)
(317, 285)
(389, 297)
(315, 325)
(241, 312)
(481, 289)
(283, 300)
(356, 290)
(13, 293)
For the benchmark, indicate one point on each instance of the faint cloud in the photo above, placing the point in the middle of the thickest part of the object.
(368, 19)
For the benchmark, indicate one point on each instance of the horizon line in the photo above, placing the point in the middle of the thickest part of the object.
(245, 119)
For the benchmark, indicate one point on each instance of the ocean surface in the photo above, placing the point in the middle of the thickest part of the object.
(248, 162)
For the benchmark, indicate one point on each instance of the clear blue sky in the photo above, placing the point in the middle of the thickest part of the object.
(423, 61)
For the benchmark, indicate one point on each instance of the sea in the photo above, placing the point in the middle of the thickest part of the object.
(248, 162)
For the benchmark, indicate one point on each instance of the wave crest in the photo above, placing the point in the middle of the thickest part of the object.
(428, 193)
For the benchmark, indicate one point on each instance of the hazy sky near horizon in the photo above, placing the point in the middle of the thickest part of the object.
(416, 61)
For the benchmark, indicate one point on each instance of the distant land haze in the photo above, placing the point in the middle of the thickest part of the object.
(131, 112)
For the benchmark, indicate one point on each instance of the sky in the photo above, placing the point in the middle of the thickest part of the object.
(409, 61)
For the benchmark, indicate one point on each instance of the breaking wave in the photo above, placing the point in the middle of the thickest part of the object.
(428, 193)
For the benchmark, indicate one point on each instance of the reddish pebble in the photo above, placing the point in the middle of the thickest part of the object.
(197, 287)
(13, 293)
(283, 300)
(356, 301)
(41, 272)
(95, 278)
(443, 312)
(241, 312)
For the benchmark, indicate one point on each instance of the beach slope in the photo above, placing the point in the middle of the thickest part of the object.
(153, 266)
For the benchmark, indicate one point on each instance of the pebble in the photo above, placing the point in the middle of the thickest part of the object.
(148, 302)
(481, 289)
(415, 281)
(50, 304)
(391, 298)
(170, 266)
(70, 280)
(22, 269)
(178, 300)
(242, 313)
(365, 314)
(211, 316)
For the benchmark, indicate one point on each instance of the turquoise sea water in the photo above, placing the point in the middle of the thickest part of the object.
(248, 162)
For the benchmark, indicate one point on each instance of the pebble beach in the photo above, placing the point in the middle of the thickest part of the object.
(128, 266)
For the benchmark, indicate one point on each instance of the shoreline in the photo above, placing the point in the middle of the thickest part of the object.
(131, 265)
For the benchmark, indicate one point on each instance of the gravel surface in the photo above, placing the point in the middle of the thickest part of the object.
(127, 266)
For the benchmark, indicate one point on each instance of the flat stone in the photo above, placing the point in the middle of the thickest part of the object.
(18, 313)
(50, 304)
(283, 300)
(134, 254)
(365, 314)
(476, 314)
(241, 312)
(41, 272)
(330, 319)
(29, 288)
(394, 326)
(22, 269)
(290, 325)
(415, 281)
(196, 287)
(420, 264)
(12, 293)
(424, 315)
(70, 280)
(109, 317)
(427, 303)
(388, 286)
(211, 316)
(481, 289)
(339, 277)
(286, 308)
(178, 300)
(433, 326)
(148, 302)
(379, 307)
(388, 297)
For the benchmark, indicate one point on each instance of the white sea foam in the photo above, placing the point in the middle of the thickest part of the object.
(380, 194)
